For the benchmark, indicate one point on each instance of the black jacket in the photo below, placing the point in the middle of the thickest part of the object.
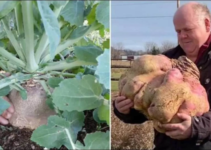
(201, 126)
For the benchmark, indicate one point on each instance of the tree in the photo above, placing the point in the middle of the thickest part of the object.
(155, 51)
(114, 53)
(166, 45)
(149, 46)
(119, 46)
(117, 51)
(152, 48)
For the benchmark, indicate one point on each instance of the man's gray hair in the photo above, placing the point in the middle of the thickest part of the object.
(202, 11)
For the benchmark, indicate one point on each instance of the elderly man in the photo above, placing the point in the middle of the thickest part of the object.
(192, 24)
(6, 114)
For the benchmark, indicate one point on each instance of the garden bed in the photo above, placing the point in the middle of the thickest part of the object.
(13, 138)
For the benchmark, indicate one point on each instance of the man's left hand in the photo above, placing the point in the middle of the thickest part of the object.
(181, 130)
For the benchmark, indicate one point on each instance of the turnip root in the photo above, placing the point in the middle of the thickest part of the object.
(33, 112)
(139, 74)
(161, 87)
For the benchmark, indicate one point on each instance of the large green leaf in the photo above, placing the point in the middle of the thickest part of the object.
(102, 13)
(103, 68)
(59, 131)
(6, 7)
(78, 94)
(4, 105)
(97, 140)
(103, 113)
(51, 25)
(88, 53)
(92, 15)
(76, 124)
(73, 12)
(4, 91)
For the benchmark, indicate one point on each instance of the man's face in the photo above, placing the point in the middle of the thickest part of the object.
(191, 32)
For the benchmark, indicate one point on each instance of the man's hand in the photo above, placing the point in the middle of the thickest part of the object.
(179, 130)
(123, 104)
(7, 113)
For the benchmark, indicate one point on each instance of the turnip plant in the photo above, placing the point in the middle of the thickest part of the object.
(54, 67)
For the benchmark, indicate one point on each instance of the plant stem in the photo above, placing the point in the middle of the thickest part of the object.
(68, 34)
(70, 42)
(70, 75)
(70, 138)
(12, 58)
(45, 87)
(37, 26)
(43, 43)
(28, 20)
(13, 40)
(19, 19)
(64, 65)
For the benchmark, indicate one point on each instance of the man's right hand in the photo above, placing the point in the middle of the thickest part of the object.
(7, 113)
(123, 104)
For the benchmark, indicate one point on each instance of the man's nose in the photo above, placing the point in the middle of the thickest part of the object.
(183, 35)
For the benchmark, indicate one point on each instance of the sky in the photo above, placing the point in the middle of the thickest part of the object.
(133, 23)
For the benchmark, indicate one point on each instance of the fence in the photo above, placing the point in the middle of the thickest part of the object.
(121, 65)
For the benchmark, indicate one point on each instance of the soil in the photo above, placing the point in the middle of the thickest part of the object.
(12, 138)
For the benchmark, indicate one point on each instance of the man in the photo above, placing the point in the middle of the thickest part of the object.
(192, 24)
(6, 114)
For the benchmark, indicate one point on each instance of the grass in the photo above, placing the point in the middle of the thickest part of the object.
(114, 85)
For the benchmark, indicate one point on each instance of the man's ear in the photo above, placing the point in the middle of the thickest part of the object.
(207, 24)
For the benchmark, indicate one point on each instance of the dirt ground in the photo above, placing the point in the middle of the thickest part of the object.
(130, 136)
(12, 138)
